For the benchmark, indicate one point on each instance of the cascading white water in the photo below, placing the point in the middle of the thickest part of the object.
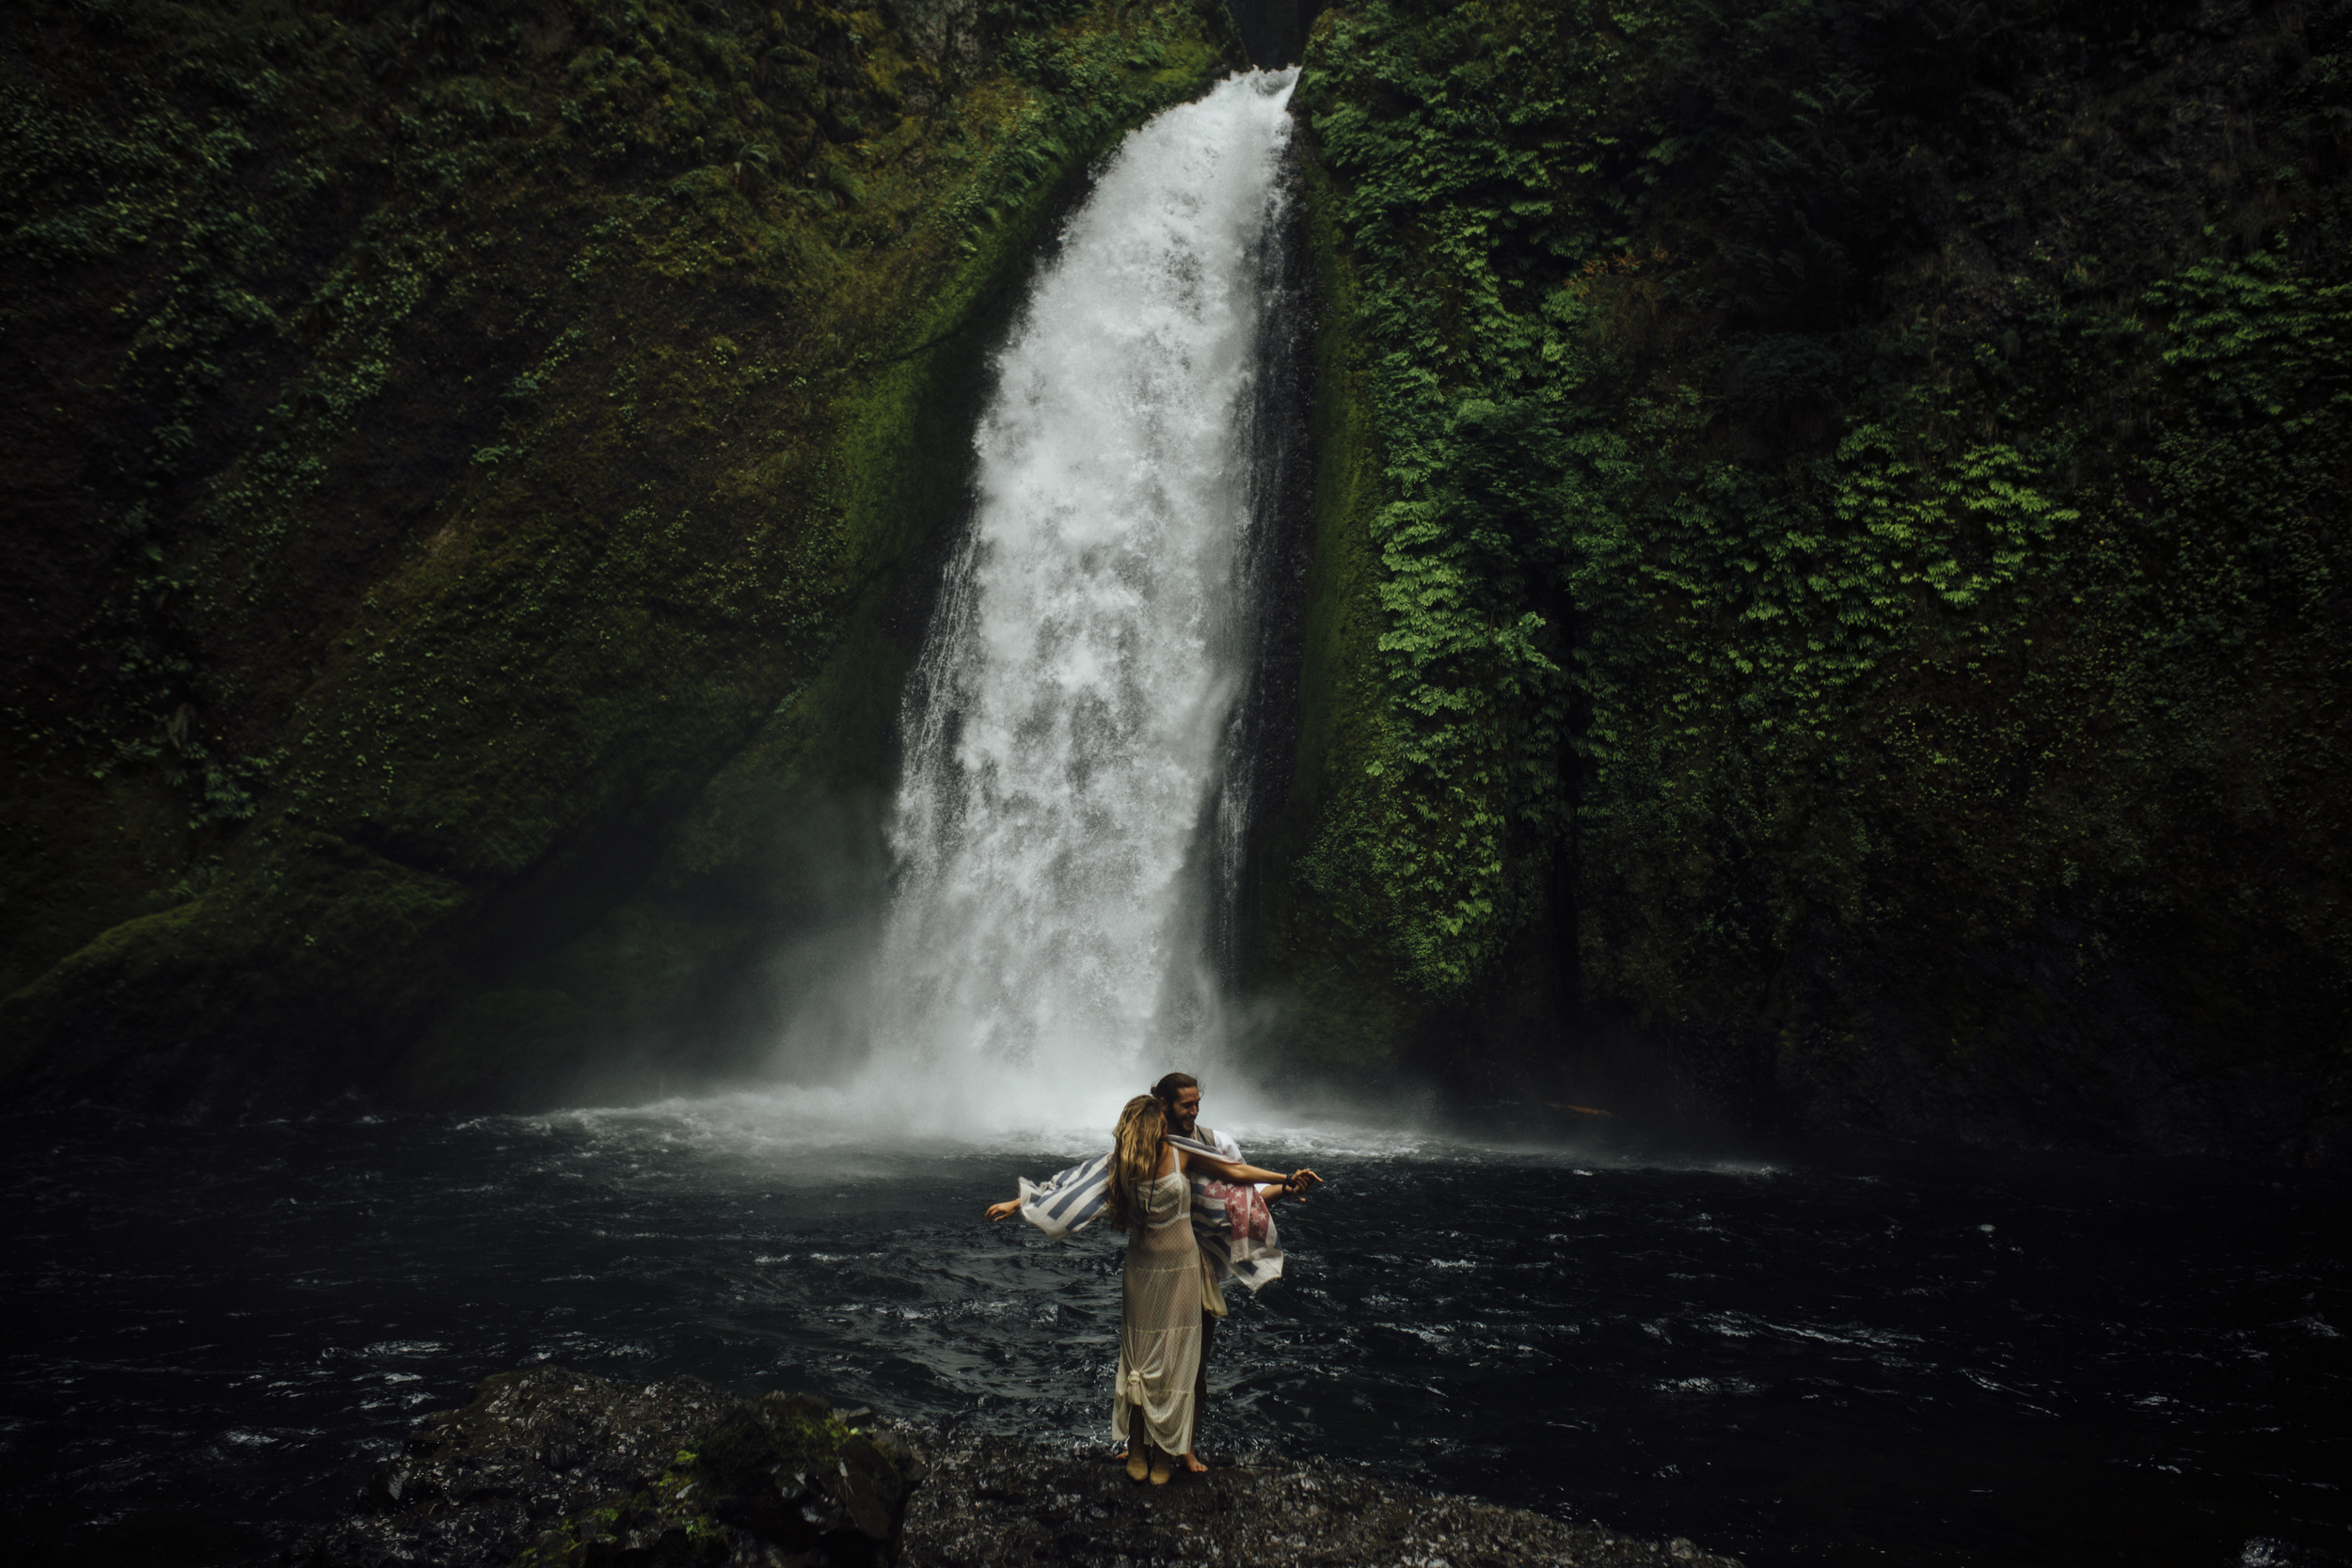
(1063, 740)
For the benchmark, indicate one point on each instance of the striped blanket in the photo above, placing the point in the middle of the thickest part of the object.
(1230, 1220)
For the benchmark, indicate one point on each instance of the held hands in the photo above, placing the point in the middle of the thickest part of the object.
(1005, 1210)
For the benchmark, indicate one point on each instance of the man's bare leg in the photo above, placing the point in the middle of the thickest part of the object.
(1201, 1390)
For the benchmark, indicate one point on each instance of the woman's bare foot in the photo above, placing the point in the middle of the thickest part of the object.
(1193, 1464)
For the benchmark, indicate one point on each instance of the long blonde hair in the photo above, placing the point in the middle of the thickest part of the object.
(1134, 1160)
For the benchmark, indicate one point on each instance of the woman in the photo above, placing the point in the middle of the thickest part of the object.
(1149, 1195)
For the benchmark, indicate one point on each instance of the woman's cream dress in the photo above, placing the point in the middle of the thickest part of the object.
(1159, 1332)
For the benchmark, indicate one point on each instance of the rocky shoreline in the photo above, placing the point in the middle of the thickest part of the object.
(548, 1466)
(991, 1502)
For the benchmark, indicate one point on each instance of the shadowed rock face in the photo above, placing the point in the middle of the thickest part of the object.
(550, 1467)
(1274, 32)
(942, 31)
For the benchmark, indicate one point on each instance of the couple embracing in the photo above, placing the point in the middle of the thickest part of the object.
(1195, 1215)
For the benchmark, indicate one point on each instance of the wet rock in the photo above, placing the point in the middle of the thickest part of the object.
(999, 1503)
(550, 1467)
(945, 33)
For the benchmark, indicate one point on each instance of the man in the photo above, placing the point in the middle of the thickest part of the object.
(1181, 1093)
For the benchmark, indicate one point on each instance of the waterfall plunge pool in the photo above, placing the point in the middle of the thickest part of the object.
(1818, 1358)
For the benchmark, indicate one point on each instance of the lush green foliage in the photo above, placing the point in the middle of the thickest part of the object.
(1792, 515)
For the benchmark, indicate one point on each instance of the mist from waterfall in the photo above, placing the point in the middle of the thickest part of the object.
(1064, 831)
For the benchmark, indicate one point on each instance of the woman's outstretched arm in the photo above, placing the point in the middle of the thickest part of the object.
(1004, 1210)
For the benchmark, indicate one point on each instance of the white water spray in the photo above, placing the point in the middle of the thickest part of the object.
(1065, 736)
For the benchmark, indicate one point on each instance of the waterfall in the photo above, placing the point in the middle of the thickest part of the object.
(1061, 832)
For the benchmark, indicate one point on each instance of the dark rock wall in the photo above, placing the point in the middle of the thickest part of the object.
(1273, 32)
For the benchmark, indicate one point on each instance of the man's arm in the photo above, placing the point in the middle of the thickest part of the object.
(1231, 1151)
(1234, 1170)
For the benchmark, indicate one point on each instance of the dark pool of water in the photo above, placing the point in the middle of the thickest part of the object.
(215, 1332)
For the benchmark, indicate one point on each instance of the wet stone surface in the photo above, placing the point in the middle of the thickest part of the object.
(995, 1503)
(548, 1466)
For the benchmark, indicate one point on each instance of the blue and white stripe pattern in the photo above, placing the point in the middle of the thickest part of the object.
(1068, 1201)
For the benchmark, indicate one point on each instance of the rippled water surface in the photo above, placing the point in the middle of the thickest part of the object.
(216, 1331)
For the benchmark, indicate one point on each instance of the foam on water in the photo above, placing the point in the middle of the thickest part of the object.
(785, 1134)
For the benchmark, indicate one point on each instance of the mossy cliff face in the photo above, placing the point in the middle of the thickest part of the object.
(1830, 599)
(463, 460)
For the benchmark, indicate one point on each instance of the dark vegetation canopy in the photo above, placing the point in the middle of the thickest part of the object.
(1827, 603)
